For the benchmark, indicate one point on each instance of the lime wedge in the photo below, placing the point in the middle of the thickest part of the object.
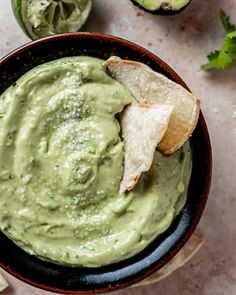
(41, 18)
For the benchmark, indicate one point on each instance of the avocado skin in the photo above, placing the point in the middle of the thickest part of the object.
(160, 11)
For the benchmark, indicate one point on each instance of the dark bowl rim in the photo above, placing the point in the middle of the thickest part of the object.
(184, 238)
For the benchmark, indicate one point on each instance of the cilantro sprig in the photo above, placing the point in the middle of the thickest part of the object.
(223, 58)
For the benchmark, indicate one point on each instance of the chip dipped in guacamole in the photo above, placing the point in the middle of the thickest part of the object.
(62, 162)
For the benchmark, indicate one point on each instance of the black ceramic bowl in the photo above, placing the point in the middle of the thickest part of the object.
(70, 280)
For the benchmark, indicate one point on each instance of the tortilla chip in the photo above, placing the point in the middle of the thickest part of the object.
(3, 283)
(151, 87)
(143, 126)
(183, 256)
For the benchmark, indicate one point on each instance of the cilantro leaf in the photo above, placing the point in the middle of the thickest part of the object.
(225, 20)
(223, 58)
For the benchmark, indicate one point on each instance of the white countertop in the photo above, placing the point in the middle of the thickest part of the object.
(183, 41)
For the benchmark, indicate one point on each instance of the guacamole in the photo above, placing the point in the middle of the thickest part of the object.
(61, 160)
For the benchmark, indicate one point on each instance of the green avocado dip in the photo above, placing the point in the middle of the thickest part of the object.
(61, 159)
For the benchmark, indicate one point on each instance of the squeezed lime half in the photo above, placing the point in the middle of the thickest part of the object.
(41, 18)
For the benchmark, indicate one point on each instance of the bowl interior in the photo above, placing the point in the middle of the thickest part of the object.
(70, 280)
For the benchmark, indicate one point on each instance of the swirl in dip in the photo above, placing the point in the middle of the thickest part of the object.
(61, 160)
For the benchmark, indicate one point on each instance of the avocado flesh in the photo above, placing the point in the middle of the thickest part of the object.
(166, 5)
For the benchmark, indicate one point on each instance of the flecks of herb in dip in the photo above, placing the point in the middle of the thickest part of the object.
(61, 160)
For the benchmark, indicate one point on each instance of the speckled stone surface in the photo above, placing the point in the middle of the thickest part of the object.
(183, 41)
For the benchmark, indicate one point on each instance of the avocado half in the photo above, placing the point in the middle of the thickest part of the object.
(165, 7)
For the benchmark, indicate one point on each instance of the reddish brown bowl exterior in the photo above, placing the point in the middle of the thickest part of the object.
(69, 280)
